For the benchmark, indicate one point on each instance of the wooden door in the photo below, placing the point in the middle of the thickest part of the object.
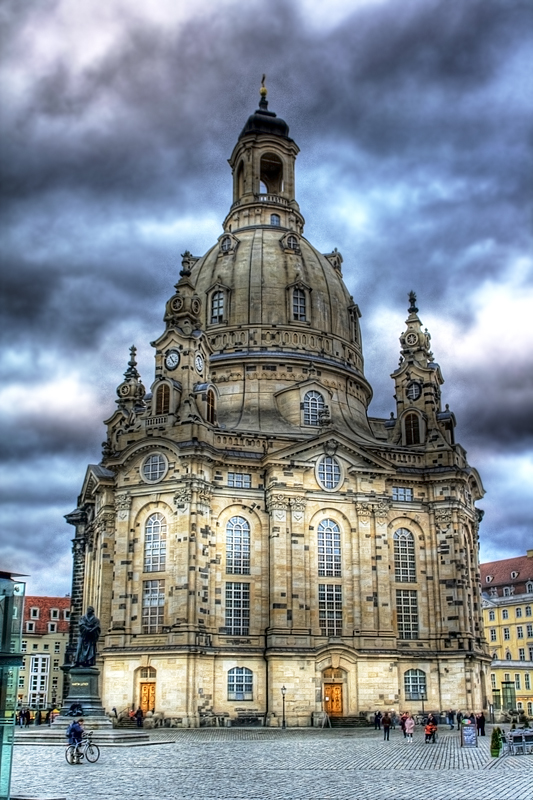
(147, 696)
(333, 699)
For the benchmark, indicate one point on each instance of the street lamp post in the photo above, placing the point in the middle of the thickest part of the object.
(283, 693)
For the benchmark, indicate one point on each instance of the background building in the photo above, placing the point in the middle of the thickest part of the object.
(508, 615)
(45, 632)
(249, 527)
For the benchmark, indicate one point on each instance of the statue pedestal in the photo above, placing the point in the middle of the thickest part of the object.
(84, 690)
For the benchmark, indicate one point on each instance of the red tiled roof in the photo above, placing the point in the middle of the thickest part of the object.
(501, 572)
(45, 606)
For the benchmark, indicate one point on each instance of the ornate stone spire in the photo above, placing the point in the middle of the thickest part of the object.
(131, 391)
(415, 342)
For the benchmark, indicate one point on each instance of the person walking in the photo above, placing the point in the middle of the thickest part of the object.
(451, 719)
(409, 728)
(377, 721)
(403, 720)
(431, 730)
(459, 720)
(386, 722)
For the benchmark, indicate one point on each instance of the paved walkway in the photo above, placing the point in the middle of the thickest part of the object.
(269, 764)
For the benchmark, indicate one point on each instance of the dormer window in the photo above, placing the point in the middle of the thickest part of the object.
(211, 409)
(292, 242)
(217, 307)
(514, 575)
(299, 305)
(489, 579)
(225, 244)
(275, 220)
(529, 587)
(312, 406)
(162, 399)
(412, 429)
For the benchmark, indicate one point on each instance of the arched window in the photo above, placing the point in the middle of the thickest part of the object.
(275, 220)
(528, 610)
(238, 546)
(414, 683)
(292, 242)
(155, 543)
(412, 429)
(529, 587)
(329, 472)
(240, 684)
(313, 405)
(404, 556)
(211, 411)
(271, 173)
(217, 307)
(298, 305)
(162, 399)
(329, 549)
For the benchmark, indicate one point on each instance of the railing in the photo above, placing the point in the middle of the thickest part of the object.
(155, 421)
(263, 198)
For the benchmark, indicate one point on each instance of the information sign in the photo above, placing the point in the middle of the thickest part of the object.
(468, 736)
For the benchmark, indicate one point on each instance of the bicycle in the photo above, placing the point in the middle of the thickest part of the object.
(75, 753)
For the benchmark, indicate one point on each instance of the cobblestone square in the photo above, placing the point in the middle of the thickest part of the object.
(268, 764)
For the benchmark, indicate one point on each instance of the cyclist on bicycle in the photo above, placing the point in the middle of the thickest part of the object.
(75, 732)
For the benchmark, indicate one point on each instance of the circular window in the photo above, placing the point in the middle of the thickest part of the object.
(329, 473)
(414, 390)
(154, 468)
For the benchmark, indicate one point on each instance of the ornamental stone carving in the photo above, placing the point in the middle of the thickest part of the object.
(298, 503)
(123, 501)
(381, 509)
(182, 496)
(364, 510)
(443, 517)
(277, 502)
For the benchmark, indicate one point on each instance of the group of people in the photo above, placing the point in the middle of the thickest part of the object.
(407, 723)
(25, 717)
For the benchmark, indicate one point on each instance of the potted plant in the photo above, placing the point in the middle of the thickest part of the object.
(496, 742)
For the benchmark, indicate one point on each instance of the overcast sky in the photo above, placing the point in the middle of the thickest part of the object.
(414, 122)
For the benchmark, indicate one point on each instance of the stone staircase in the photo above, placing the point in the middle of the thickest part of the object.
(349, 722)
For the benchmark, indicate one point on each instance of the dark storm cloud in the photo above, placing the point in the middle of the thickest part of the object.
(416, 113)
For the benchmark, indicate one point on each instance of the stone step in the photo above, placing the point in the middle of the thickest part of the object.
(349, 722)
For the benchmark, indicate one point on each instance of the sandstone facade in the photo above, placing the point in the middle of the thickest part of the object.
(250, 527)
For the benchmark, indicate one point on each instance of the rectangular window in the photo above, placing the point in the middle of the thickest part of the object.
(492, 616)
(521, 653)
(529, 631)
(527, 681)
(520, 631)
(530, 653)
(519, 612)
(238, 609)
(528, 611)
(23, 646)
(506, 634)
(402, 494)
(153, 606)
(493, 634)
(38, 684)
(505, 614)
(493, 680)
(21, 681)
(34, 613)
(23, 665)
(407, 613)
(517, 681)
(54, 613)
(66, 613)
(239, 480)
(530, 709)
(30, 627)
(519, 705)
(52, 627)
(57, 647)
(506, 677)
(330, 609)
(56, 664)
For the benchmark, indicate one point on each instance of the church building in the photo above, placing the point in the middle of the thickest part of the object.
(252, 541)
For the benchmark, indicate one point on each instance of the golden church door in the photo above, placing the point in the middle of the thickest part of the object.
(147, 696)
(333, 699)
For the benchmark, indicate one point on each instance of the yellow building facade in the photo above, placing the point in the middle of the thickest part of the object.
(250, 528)
(508, 616)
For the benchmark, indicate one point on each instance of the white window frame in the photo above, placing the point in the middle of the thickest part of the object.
(237, 608)
(155, 543)
(240, 684)
(407, 613)
(330, 609)
(238, 544)
(402, 494)
(329, 549)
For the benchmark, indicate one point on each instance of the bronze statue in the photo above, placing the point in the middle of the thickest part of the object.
(89, 628)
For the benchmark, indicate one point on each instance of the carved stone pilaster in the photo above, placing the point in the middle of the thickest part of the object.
(182, 496)
(277, 505)
(364, 511)
(381, 510)
(123, 502)
(297, 506)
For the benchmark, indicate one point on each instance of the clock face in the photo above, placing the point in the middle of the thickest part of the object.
(411, 338)
(414, 390)
(199, 362)
(172, 359)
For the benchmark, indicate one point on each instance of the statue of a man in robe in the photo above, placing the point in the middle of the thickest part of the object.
(89, 632)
